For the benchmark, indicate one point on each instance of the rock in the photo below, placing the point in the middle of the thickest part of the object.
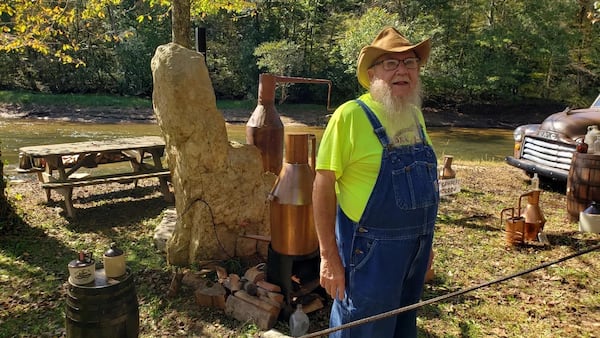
(165, 229)
(220, 190)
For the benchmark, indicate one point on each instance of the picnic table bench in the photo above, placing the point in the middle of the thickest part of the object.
(57, 165)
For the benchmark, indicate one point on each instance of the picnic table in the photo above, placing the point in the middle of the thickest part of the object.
(57, 165)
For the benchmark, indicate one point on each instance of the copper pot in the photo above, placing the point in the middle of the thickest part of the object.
(292, 223)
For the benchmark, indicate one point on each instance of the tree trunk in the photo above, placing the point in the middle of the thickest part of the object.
(180, 17)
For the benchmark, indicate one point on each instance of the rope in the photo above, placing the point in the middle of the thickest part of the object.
(437, 299)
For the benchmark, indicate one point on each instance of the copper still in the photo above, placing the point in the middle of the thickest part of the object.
(264, 128)
(292, 224)
(534, 218)
(525, 224)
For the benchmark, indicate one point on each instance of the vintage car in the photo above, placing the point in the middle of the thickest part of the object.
(547, 148)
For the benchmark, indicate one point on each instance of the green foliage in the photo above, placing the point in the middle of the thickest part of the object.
(482, 50)
(360, 32)
(279, 57)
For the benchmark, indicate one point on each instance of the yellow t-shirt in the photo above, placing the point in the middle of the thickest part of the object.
(351, 149)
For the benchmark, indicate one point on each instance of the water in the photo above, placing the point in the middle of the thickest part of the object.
(463, 143)
(472, 144)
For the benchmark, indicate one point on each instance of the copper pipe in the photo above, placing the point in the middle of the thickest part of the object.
(264, 129)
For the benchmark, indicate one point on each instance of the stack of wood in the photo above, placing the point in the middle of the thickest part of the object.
(246, 298)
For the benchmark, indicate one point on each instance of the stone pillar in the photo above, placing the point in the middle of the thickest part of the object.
(220, 188)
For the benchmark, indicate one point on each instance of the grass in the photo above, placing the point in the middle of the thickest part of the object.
(562, 300)
(470, 249)
(37, 242)
(76, 100)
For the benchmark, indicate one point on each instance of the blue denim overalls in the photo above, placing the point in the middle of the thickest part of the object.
(386, 253)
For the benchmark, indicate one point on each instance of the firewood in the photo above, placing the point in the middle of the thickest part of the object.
(314, 305)
(278, 297)
(193, 279)
(233, 283)
(211, 295)
(221, 273)
(256, 273)
(268, 300)
(244, 311)
(250, 288)
(268, 286)
(273, 309)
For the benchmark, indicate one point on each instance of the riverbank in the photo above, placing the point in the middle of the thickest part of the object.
(504, 116)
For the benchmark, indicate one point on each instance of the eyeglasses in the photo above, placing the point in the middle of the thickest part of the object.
(392, 64)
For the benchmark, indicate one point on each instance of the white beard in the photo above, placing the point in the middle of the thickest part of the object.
(397, 109)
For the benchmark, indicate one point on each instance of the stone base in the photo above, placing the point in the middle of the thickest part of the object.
(164, 231)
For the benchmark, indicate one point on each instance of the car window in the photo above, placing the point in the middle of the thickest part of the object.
(596, 103)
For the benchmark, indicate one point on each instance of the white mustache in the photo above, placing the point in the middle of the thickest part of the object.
(401, 79)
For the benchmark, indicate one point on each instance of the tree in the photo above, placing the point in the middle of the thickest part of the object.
(59, 28)
(481, 49)
(280, 58)
(181, 23)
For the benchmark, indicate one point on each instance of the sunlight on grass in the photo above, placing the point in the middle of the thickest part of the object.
(469, 244)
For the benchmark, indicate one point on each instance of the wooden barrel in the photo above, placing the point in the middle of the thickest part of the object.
(583, 183)
(108, 307)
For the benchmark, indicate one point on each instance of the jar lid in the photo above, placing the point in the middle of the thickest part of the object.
(84, 259)
(113, 251)
(592, 209)
(80, 264)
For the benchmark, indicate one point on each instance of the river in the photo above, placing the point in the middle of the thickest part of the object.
(467, 144)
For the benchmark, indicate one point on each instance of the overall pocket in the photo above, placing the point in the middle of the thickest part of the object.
(415, 185)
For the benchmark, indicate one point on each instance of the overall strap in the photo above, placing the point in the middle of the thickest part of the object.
(420, 128)
(378, 129)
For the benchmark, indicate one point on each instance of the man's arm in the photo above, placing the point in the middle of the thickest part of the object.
(324, 208)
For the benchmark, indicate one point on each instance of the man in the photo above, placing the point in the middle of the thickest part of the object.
(375, 195)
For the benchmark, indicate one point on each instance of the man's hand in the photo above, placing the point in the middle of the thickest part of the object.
(333, 279)
(324, 207)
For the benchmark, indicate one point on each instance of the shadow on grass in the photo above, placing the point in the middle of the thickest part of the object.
(36, 257)
(22, 242)
(29, 254)
(569, 239)
(114, 209)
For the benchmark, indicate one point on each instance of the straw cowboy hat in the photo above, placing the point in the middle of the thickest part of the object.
(389, 40)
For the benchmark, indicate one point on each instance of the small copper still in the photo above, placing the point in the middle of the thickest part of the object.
(264, 128)
(534, 218)
(525, 224)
